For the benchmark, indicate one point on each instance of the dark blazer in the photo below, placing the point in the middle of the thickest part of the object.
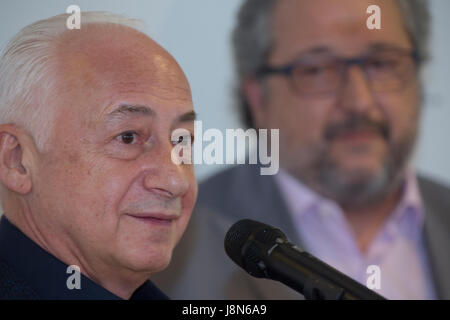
(29, 272)
(200, 268)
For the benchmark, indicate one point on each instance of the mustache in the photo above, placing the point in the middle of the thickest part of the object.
(357, 122)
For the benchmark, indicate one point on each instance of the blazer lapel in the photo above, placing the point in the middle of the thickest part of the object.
(271, 209)
(437, 237)
(269, 206)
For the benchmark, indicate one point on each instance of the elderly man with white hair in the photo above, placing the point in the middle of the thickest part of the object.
(93, 204)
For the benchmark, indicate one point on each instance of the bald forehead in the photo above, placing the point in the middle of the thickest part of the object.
(97, 41)
(99, 53)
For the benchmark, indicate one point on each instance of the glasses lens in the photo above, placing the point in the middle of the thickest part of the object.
(389, 71)
(317, 77)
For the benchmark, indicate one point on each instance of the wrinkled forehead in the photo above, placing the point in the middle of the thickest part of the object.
(105, 60)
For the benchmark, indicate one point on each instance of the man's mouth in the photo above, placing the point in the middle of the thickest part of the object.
(358, 135)
(156, 219)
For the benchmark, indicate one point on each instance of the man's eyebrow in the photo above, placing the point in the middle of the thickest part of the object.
(318, 49)
(188, 116)
(313, 51)
(326, 50)
(384, 46)
(128, 109)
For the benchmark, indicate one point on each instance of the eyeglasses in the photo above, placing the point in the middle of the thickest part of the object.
(385, 70)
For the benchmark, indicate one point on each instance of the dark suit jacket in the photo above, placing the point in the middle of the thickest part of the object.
(200, 268)
(29, 272)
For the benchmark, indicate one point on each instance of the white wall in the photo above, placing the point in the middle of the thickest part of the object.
(433, 152)
(197, 33)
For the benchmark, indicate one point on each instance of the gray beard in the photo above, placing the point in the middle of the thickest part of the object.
(356, 189)
(359, 189)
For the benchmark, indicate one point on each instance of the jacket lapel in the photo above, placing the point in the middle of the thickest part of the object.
(271, 209)
(437, 235)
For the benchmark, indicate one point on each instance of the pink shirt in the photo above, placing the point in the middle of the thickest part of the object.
(398, 249)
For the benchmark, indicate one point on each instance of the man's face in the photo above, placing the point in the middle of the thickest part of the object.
(348, 145)
(106, 187)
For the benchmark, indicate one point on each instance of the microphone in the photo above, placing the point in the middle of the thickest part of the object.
(264, 252)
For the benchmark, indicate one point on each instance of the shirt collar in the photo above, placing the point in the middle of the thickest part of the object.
(47, 275)
(409, 211)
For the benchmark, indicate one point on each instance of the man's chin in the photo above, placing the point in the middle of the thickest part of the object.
(149, 262)
(356, 186)
(361, 175)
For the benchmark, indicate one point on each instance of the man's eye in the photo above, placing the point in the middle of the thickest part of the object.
(312, 70)
(382, 63)
(316, 69)
(128, 137)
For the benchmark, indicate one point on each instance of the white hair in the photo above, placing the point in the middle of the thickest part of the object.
(25, 71)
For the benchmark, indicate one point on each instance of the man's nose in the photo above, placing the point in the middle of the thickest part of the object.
(167, 178)
(355, 94)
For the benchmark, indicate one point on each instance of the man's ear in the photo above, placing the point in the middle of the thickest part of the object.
(254, 92)
(14, 174)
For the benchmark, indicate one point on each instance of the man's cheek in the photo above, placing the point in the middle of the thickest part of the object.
(401, 123)
(189, 199)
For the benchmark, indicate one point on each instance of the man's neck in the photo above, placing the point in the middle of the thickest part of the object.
(366, 221)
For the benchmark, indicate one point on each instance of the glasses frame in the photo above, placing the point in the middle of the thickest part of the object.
(288, 69)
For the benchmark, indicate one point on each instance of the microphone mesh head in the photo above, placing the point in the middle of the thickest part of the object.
(241, 247)
(236, 237)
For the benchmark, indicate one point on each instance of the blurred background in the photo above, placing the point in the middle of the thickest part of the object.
(197, 33)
